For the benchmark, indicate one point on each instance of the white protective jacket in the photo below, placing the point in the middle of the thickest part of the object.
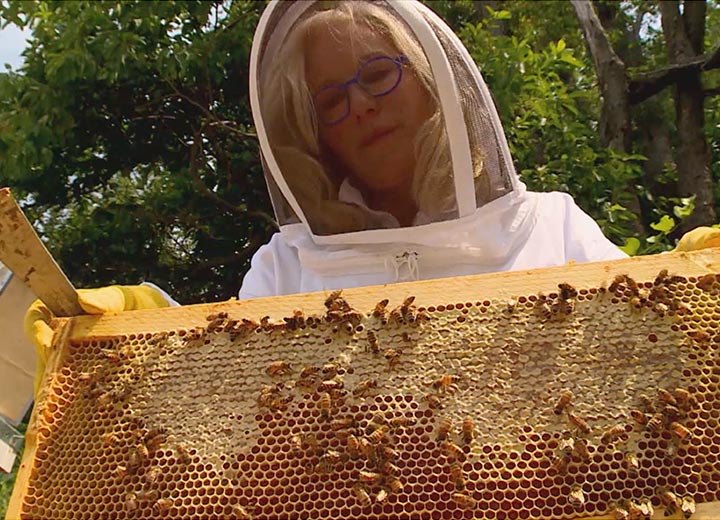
(497, 224)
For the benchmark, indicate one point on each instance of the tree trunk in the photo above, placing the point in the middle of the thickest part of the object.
(610, 69)
(615, 118)
(684, 35)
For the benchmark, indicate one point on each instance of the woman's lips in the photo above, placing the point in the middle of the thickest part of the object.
(376, 136)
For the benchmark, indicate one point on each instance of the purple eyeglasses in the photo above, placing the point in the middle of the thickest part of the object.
(377, 76)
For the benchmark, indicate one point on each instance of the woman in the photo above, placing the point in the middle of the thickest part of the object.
(385, 160)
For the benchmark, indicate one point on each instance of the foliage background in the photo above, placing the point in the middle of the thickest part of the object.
(128, 138)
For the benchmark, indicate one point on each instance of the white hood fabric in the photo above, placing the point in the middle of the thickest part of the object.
(514, 230)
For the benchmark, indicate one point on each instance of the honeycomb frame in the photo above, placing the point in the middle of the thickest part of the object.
(583, 391)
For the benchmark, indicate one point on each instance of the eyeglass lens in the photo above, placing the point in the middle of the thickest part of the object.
(377, 77)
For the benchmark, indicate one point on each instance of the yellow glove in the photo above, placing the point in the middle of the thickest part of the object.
(116, 298)
(699, 238)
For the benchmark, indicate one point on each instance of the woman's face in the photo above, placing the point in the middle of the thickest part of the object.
(375, 142)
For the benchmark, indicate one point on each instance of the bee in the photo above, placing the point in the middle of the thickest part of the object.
(148, 495)
(566, 447)
(369, 477)
(142, 452)
(656, 423)
(444, 428)
(639, 417)
(705, 282)
(632, 463)
(620, 513)
(661, 309)
(700, 336)
(278, 368)
(162, 505)
(560, 464)
(331, 385)
(564, 400)
(183, 455)
(353, 446)
(682, 396)
(393, 357)
(394, 484)
(579, 423)
(388, 468)
(510, 305)
(612, 434)
(108, 439)
(406, 337)
(400, 422)
(432, 401)
(342, 424)
(581, 449)
(296, 444)
(681, 308)
(687, 506)
(152, 474)
(576, 497)
(464, 501)
(387, 453)
(452, 450)
(378, 435)
(468, 430)
(637, 511)
(670, 501)
(335, 302)
(111, 355)
(647, 403)
(671, 413)
(324, 404)
(363, 387)
(446, 383)
(381, 496)
(680, 431)
(240, 513)
(567, 291)
(546, 311)
(457, 477)
(373, 342)
(297, 320)
(362, 495)
(666, 397)
(330, 369)
(407, 302)
(380, 309)
(646, 509)
(217, 320)
(327, 461)
(131, 502)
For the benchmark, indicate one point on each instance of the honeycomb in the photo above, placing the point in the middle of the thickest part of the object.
(576, 402)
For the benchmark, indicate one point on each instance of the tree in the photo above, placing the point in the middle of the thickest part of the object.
(684, 35)
(129, 136)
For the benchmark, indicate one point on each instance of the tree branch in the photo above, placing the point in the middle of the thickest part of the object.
(710, 92)
(645, 85)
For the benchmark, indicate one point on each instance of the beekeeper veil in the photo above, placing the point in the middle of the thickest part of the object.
(462, 161)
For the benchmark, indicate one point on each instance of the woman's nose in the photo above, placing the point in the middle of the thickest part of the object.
(361, 103)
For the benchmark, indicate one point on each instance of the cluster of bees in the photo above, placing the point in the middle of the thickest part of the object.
(455, 455)
(146, 443)
(665, 412)
(659, 297)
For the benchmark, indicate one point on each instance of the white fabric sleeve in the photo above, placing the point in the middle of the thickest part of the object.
(165, 295)
(274, 271)
(584, 240)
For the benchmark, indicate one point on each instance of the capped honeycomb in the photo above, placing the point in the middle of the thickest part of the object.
(583, 400)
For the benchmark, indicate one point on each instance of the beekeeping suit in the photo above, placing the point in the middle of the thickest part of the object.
(494, 224)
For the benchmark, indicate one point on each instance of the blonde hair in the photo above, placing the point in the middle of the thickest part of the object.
(293, 132)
